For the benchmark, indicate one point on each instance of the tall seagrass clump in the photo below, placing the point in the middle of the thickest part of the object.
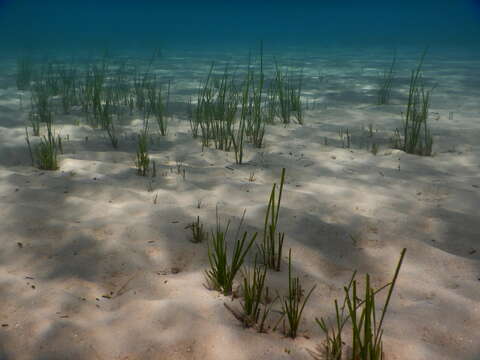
(288, 90)
(44, 154)
(158, 103)
(41, 112)
(359, 313)
(224, 268)
(386, 82)
(256, 305)
(229, 113)
(142, 161)
(292, 304)
(415, 136)
(272, 245)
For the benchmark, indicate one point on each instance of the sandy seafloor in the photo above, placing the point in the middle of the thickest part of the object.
(92, 228)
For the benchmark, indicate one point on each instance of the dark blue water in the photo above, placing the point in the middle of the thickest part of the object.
(141, 25)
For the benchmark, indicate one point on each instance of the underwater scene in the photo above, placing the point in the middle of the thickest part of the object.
(239, 180)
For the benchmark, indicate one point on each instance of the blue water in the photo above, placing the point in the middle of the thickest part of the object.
(197, 25)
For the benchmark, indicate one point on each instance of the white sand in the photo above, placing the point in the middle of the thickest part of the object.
(92, 229)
